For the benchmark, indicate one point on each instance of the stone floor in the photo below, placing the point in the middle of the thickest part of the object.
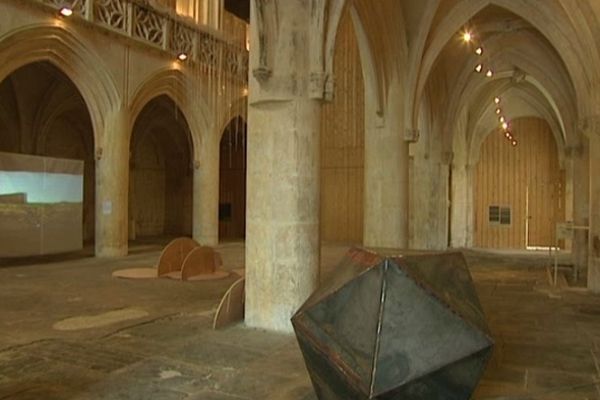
(152, 339)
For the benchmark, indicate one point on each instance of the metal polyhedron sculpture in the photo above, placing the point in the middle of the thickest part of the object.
(395, 328)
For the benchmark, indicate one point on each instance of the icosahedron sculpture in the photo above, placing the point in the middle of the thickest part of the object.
(395, 328)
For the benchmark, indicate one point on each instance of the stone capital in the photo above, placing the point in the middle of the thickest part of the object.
(447, 157)
(411, 135)
(589, 125)
(316, 85)
(574, 151)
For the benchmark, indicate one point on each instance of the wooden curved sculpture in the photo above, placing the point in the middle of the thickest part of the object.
(173, 255)
(202, 263)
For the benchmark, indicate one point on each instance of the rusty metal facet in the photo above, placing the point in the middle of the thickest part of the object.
(395, 328)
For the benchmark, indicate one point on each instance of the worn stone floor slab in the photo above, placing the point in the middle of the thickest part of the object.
(547, 339)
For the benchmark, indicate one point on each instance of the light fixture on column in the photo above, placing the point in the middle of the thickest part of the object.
(66, 11)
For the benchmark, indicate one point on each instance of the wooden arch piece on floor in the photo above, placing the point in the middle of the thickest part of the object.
(203, 263)
(231, 307)
(171, 259)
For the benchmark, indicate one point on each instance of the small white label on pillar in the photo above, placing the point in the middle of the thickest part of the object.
(107, 207)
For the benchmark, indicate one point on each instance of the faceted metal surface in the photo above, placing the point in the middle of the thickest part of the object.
(395, 328)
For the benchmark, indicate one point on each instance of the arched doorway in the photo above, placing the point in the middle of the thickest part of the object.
(518, 190)
(232, 182)
(43, 113)
(160, 198)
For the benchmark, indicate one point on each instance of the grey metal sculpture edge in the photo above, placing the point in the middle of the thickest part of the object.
(392, 328)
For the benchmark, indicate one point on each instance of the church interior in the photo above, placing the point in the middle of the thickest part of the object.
(275, 135)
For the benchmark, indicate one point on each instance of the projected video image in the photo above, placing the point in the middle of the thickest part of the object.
(41, 205)
(43, 188)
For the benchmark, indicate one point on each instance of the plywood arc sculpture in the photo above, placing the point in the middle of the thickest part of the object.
(183, 259)
(395, 328)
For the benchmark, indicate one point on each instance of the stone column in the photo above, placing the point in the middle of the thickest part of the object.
(112, 186)
(594, 242)
(206, 193)
(386, 175)
(580, 184)
(282, 218)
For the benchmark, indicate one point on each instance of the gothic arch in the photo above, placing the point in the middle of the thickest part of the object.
(566, 43)
(62, 48)
(187, 95)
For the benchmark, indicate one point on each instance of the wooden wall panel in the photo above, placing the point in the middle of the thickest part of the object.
(232, 182)
(342, 144)
(527, 178)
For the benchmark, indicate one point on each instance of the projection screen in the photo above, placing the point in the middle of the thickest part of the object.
(41, 205)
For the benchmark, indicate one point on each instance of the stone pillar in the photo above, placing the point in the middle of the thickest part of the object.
(206, 193)
(594, 242)
(461, 207)
(282, 218)
(580, 185)
(112, 186)
(386, 175)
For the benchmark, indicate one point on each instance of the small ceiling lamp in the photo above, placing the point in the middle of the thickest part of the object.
(514, 143)
(479, 50)
(489, 73)
(504, 126)
(507, 134)
(182, 56)
(479, 68)
(498, 111)
(502, 119)
(497, 100)
(66, 11)
(467, 37)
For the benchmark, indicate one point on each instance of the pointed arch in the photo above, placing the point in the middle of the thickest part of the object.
(189, 96)
(61, 47)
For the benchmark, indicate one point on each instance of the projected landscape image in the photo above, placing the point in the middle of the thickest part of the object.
(40, 205)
